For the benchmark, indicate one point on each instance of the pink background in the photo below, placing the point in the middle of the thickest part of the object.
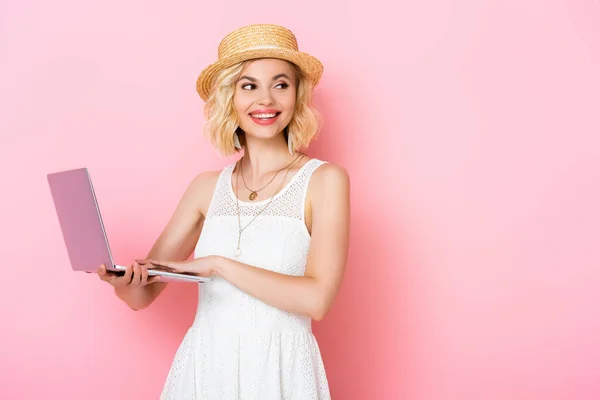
(470, 131)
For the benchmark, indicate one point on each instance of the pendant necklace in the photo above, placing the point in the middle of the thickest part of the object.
(254, 193)
(238, 250)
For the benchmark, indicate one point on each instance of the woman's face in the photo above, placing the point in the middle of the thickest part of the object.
(265, 97)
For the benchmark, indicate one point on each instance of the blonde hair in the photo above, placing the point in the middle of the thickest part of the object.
(222, 121)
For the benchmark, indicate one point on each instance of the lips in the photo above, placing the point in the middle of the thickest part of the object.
(264, 116)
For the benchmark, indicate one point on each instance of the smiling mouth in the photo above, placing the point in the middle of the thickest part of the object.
(265, 116)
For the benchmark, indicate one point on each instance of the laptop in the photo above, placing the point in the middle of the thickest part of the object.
(82, 227)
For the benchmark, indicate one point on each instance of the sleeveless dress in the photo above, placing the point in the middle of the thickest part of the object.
(240, 348)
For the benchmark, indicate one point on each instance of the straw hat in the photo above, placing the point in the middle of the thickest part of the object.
(258, 41)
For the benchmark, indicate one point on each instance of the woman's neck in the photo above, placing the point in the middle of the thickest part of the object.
(262, 157)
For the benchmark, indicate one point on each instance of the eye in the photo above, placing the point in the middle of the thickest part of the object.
(283, 85)
(248, 86)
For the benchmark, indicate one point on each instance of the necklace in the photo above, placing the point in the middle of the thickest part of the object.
(254, 193)
(238, 250)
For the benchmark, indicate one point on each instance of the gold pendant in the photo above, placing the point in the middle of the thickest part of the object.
(253, 195)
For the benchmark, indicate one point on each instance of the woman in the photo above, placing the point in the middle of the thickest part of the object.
(270, 230)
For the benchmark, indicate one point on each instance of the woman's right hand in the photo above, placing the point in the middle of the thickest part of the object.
(136, 275)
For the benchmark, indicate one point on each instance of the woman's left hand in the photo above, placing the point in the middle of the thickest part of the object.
(203, 266)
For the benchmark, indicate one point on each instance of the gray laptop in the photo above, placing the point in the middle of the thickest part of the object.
(82, 227)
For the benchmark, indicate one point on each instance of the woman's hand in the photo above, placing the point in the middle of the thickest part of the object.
(203, 266)
(136, 275)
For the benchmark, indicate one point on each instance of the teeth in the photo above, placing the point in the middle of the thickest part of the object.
(264, 115)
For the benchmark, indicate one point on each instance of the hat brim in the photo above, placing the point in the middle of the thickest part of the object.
(309, 65)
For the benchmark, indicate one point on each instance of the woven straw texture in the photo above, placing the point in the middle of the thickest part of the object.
(258, 41)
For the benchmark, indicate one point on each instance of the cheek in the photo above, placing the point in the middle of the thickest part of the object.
(289, 100)
(240, 104)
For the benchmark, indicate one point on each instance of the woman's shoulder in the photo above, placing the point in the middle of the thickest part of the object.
(201, 188)
(328, 179)
(328, 171)
(205, 179)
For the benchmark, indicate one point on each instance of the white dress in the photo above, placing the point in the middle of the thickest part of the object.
(238, 346)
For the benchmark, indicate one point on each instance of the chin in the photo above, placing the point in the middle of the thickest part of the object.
(263, 132)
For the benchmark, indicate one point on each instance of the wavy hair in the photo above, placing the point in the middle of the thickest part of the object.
(222, 121)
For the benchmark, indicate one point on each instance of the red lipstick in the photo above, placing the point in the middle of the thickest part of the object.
(265, 111)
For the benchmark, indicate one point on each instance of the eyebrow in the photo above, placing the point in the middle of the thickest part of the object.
(274, 78)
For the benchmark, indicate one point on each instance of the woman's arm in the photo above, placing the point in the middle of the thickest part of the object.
(313, 293)
(177, 240)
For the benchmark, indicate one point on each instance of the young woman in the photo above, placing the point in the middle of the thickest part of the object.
(270, 230)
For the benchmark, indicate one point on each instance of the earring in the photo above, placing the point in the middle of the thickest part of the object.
(290, 144)
(236, 141)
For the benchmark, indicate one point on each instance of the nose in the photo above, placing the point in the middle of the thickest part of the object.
(266, 98)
